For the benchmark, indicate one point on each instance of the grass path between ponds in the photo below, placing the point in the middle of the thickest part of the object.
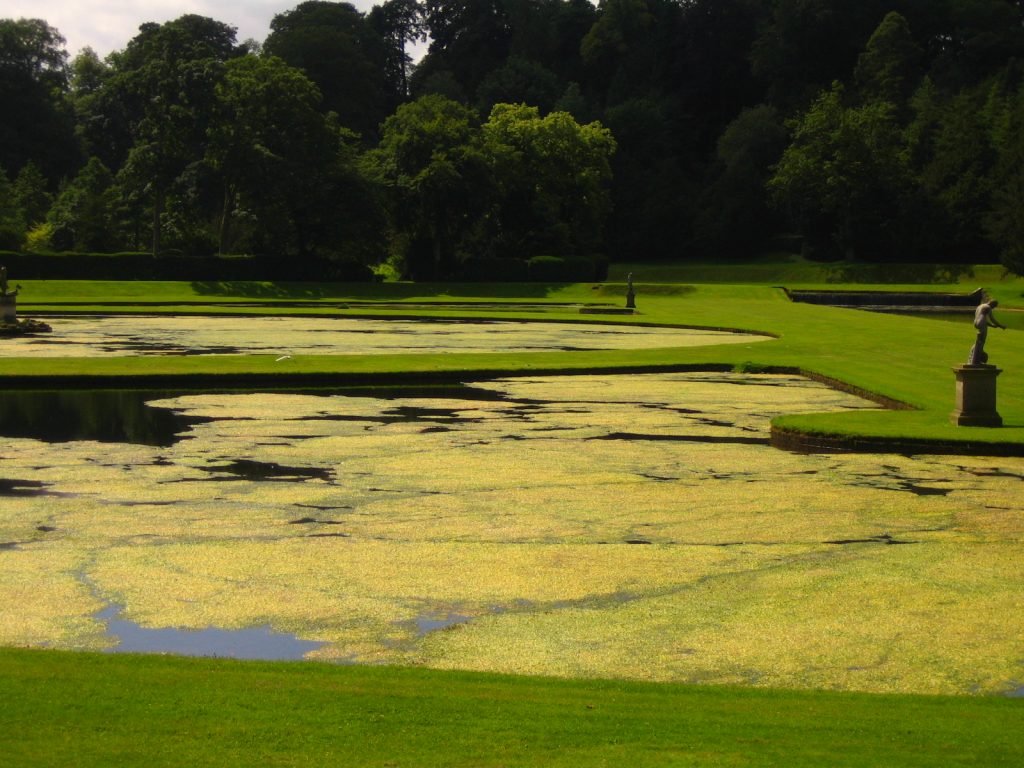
(98, 710)
(905, 359)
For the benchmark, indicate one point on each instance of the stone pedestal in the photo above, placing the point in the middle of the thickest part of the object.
(9, 308)
(976, 396)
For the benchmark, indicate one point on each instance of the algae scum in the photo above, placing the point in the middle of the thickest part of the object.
(612, 526)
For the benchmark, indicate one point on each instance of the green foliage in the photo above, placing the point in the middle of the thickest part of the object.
(31, 194)
(37, 125)
(340, 51)
(430, 162)
(83, 211)
(285, 168)
(888, 69)
(843, 177)
(684, 87)
(735, 215)
(39, 237)
(12, 224)
(517, 186)
(553, 176)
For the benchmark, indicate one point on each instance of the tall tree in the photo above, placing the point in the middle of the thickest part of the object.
(12, 223)
(31, 194)
(81, 216)
(469, 38)
(553, 178)
(889, 69)
(37, 124)
(340, 51)
(167, 75)
(400, 23)
(843, 178)
(288, 168)
(430, 160)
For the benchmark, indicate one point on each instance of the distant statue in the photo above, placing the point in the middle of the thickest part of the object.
(983, 320)
(630, 294)
(3, 281)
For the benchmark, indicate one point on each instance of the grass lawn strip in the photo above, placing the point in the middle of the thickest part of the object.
(95, 710)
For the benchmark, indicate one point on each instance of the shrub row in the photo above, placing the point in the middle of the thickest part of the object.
(144, 266)
(539, 269)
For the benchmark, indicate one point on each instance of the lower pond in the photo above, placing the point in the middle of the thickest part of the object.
(596, 526)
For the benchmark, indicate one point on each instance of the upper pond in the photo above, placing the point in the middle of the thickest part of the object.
(119, 335)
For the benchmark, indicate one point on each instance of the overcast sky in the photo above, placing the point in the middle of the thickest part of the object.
(107, 25)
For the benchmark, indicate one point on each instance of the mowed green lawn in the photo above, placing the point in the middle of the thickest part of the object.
(64, 709)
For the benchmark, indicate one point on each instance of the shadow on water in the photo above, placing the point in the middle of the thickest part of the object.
(252, 643)
(107, 416)
(124, 416)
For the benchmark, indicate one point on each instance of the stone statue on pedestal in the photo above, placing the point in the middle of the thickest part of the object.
(983, 320)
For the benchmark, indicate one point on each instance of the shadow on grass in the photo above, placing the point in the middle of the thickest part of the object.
(380, 291)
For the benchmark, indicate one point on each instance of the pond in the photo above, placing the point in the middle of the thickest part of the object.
(600, 526)
(120, 335)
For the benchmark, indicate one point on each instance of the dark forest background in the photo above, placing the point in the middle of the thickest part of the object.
(635, 130)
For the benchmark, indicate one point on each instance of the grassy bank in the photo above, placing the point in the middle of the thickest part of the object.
(96, 710)
(901, 358)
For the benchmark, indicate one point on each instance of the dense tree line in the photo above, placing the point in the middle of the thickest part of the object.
(641, 129)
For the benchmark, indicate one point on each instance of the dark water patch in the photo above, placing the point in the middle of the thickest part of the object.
(412, 413)
(6, 545)
(403, 490)
(253, 643)
(884, 538)
(313, 520)
(146, 503)
(994, 472)
(1016, 693)
(924, 490)
(109, 416)
(670, 408)
(433, 623)
(434, 430)
(24, 488)
(658, 478)
(328, 535)
(45, 528)
(124, 416)
(637, 541)
(899, 484)
(323, 507)
(684, 438)
(247, 469)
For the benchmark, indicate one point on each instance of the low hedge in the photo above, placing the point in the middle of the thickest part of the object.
(484, 269)
(578, 269)
(144, 266)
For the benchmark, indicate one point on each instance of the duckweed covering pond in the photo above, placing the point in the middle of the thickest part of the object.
(119, 335)
(614, 526)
